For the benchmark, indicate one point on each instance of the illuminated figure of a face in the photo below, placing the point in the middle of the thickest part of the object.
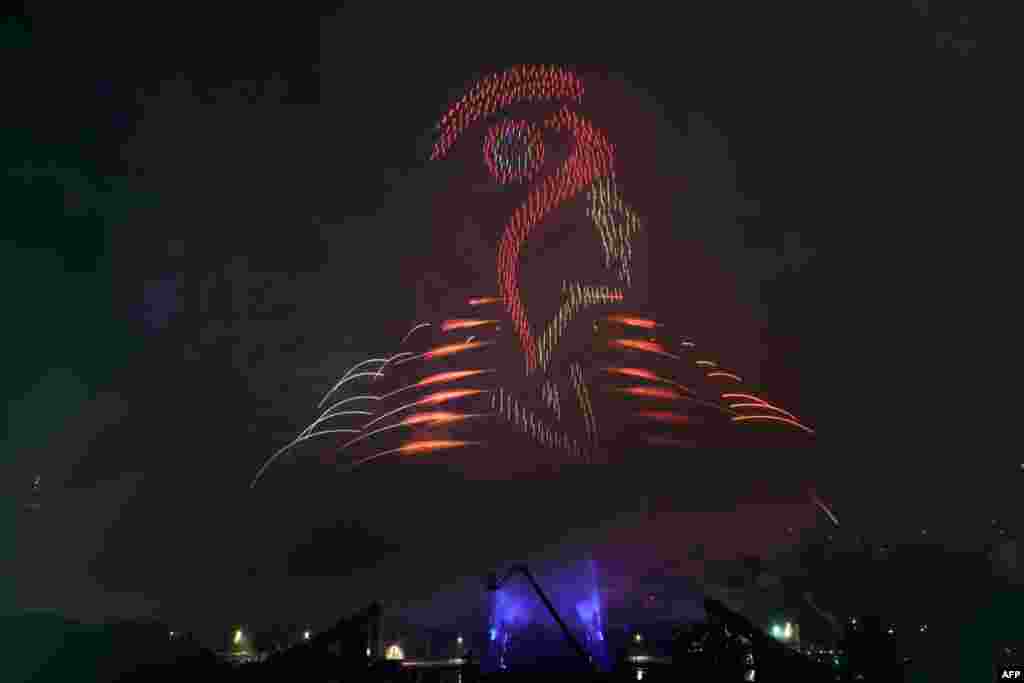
(561, 348)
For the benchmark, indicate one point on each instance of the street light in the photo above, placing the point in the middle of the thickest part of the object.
(782, 632)
(306, 634)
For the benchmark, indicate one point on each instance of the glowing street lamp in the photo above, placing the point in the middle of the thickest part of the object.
(238, 636)
(782, 632)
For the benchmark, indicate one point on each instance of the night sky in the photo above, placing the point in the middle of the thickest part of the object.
(209, 218)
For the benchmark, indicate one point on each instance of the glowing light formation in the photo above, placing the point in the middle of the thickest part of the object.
(528, 422)
(616, 224)
(549, 393)
(583, 396)
(633, 321)
(576, 298)
(591, 158)
(513, 151)
(518, 84)
(464, 324)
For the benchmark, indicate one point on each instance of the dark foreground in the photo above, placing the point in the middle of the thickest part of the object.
(45, 647)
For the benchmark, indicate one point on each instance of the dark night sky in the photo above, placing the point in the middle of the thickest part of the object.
(214, 216)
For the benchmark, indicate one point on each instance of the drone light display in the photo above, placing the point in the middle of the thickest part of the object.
(440, 377)
(598, 371)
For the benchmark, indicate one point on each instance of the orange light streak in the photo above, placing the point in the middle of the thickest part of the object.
(426, 446)
(641, 345)
(446, 350)
(451, 376)
(647, 374)
(439, 378)
(635, 372)
(434, 418)
(651, 392)
(417, 448)
(730, 375)
(759, 401)
(431, 400)
(482, 300)
(631, 321)
(464, 323)
(762, 406)
(773, 418)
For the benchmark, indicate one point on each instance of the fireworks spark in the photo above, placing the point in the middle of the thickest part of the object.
(633, 321)
(514, 151)
(642, 345)
(761, 402)
(433, 419)
(483, 300)
(346, 375)
(727, 375)
(652, 392)
(281, 451)
(641, 373)
(418, 448)
(464, 324)
(431, 400)
(772, 418)
(439, 378)
(446, 350)
(821, 504)
(408, 334)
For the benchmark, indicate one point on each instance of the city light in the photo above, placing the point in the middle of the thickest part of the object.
(306, 635)
(637, 638)
(459, 640)
(783, 632)
(394, 651)
(367, 652)
(639, 674)
(238, 636)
